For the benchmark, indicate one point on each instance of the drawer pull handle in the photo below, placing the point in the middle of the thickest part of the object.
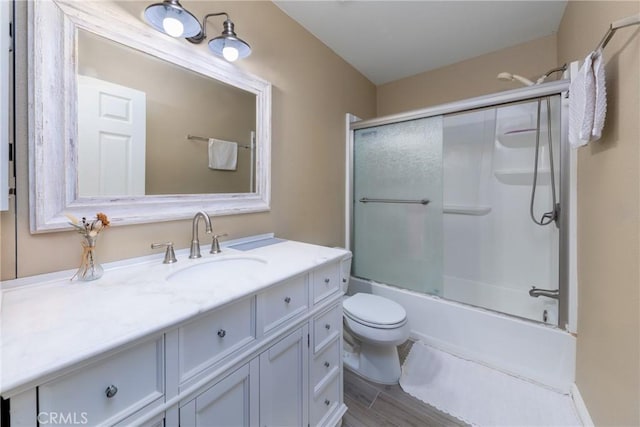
(111, 391)
(222, 333)
(287, 300)
(327, 280)
(327, 364)
(327, 402)
(327, 326)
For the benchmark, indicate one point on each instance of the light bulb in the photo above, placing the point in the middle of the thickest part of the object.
(230, 53)
(173, 27)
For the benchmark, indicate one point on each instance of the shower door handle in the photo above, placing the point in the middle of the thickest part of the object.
(417, 201)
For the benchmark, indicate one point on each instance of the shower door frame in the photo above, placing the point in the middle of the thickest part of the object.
(567, 264)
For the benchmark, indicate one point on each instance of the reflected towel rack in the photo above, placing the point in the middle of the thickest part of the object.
(420, 202)
(202, 138)
(621, 23)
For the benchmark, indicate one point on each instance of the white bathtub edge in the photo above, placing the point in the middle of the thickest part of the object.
(525, 349)
(581, 407)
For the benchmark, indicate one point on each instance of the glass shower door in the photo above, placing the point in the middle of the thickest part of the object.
(397, 212)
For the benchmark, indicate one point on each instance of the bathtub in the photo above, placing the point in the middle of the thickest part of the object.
(514, 301)
(541, 353)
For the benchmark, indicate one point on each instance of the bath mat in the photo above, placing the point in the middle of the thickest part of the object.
(479, 395)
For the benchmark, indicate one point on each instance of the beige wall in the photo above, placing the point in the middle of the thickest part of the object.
(312, 90)
(608, 353)
(178, 103)
(466, 79)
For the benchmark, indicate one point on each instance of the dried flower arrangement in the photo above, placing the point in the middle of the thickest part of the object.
(89, 228)
(89, 268)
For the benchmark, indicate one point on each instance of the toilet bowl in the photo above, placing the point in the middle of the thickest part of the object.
(378, 325)
(373, 327)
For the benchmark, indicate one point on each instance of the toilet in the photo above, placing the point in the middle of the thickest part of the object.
(373, 327)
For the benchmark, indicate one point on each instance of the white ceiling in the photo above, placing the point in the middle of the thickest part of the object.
(390, 40)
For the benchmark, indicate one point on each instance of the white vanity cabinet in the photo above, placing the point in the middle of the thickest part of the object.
(283, 381)
(288, 382)
(233, 401)
(106, 390)
(270, 390)
(269, 357)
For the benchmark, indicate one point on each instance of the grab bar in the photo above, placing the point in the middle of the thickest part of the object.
(367, 200)
(550, 293)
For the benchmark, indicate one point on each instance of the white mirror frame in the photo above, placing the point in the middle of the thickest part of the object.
(53, 186)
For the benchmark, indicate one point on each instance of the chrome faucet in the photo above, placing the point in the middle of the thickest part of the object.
(195, 242)
(551, 293)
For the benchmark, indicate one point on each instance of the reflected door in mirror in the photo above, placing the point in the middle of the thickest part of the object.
(112, 131)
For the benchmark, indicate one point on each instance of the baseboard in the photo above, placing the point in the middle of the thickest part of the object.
(581, 408)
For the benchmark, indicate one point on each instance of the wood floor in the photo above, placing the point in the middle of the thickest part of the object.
(373, 405)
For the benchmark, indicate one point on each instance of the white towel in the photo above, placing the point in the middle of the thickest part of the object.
(601, 97)
(223, 154)
(587, 101)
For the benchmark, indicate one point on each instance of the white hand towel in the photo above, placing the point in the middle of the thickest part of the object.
(223, 154)
(582, 94)
(601, 97)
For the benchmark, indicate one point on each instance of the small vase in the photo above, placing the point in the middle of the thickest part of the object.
(90, 268)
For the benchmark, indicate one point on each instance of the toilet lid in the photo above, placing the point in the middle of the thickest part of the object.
(374, 309)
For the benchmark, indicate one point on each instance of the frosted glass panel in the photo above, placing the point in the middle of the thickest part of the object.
(399, 243)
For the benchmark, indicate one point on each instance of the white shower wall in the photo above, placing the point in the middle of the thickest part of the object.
(493, 252)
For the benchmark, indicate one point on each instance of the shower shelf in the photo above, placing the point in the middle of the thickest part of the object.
(522, 176)
(466, 210)
(519, 138)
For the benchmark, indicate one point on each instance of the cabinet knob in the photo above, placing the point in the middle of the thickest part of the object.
(344, 280)
(327, 280)
(327, 326)
(327, 364)
(111, 391)
(222, 333)
(327, 402)
(287, 299)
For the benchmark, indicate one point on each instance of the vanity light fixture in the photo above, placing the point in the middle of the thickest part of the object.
(228, 44)
(171, 18)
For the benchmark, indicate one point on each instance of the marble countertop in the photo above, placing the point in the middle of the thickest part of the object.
(48, 323)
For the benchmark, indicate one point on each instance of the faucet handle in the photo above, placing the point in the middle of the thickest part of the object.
(169, 255)
(215, 244)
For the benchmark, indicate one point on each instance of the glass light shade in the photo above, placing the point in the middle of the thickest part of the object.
(222, 44)
(173, 27)
(171, 10)
(230, 53)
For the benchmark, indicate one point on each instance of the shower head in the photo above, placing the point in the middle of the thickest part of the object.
(514, 77)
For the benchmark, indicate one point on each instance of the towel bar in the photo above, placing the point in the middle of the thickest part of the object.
(621, 23)
(367, 200)
(202, 138)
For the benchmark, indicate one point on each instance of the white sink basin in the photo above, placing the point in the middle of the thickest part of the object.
(216, 270)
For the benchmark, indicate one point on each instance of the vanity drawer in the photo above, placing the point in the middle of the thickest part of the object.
(108, 389)
(326, 327)
(282, 302)
(326, 281)
(214, 336)
(324, 400)
(325, 363)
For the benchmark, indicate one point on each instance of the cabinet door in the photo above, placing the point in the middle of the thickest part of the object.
(284, 383)
(232, 402)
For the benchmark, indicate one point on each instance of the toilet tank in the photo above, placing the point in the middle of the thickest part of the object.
(345, 272)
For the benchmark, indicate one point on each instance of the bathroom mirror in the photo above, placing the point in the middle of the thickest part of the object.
(143, 129)
(90, 57)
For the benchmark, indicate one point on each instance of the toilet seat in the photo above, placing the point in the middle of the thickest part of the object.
(374, 311)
